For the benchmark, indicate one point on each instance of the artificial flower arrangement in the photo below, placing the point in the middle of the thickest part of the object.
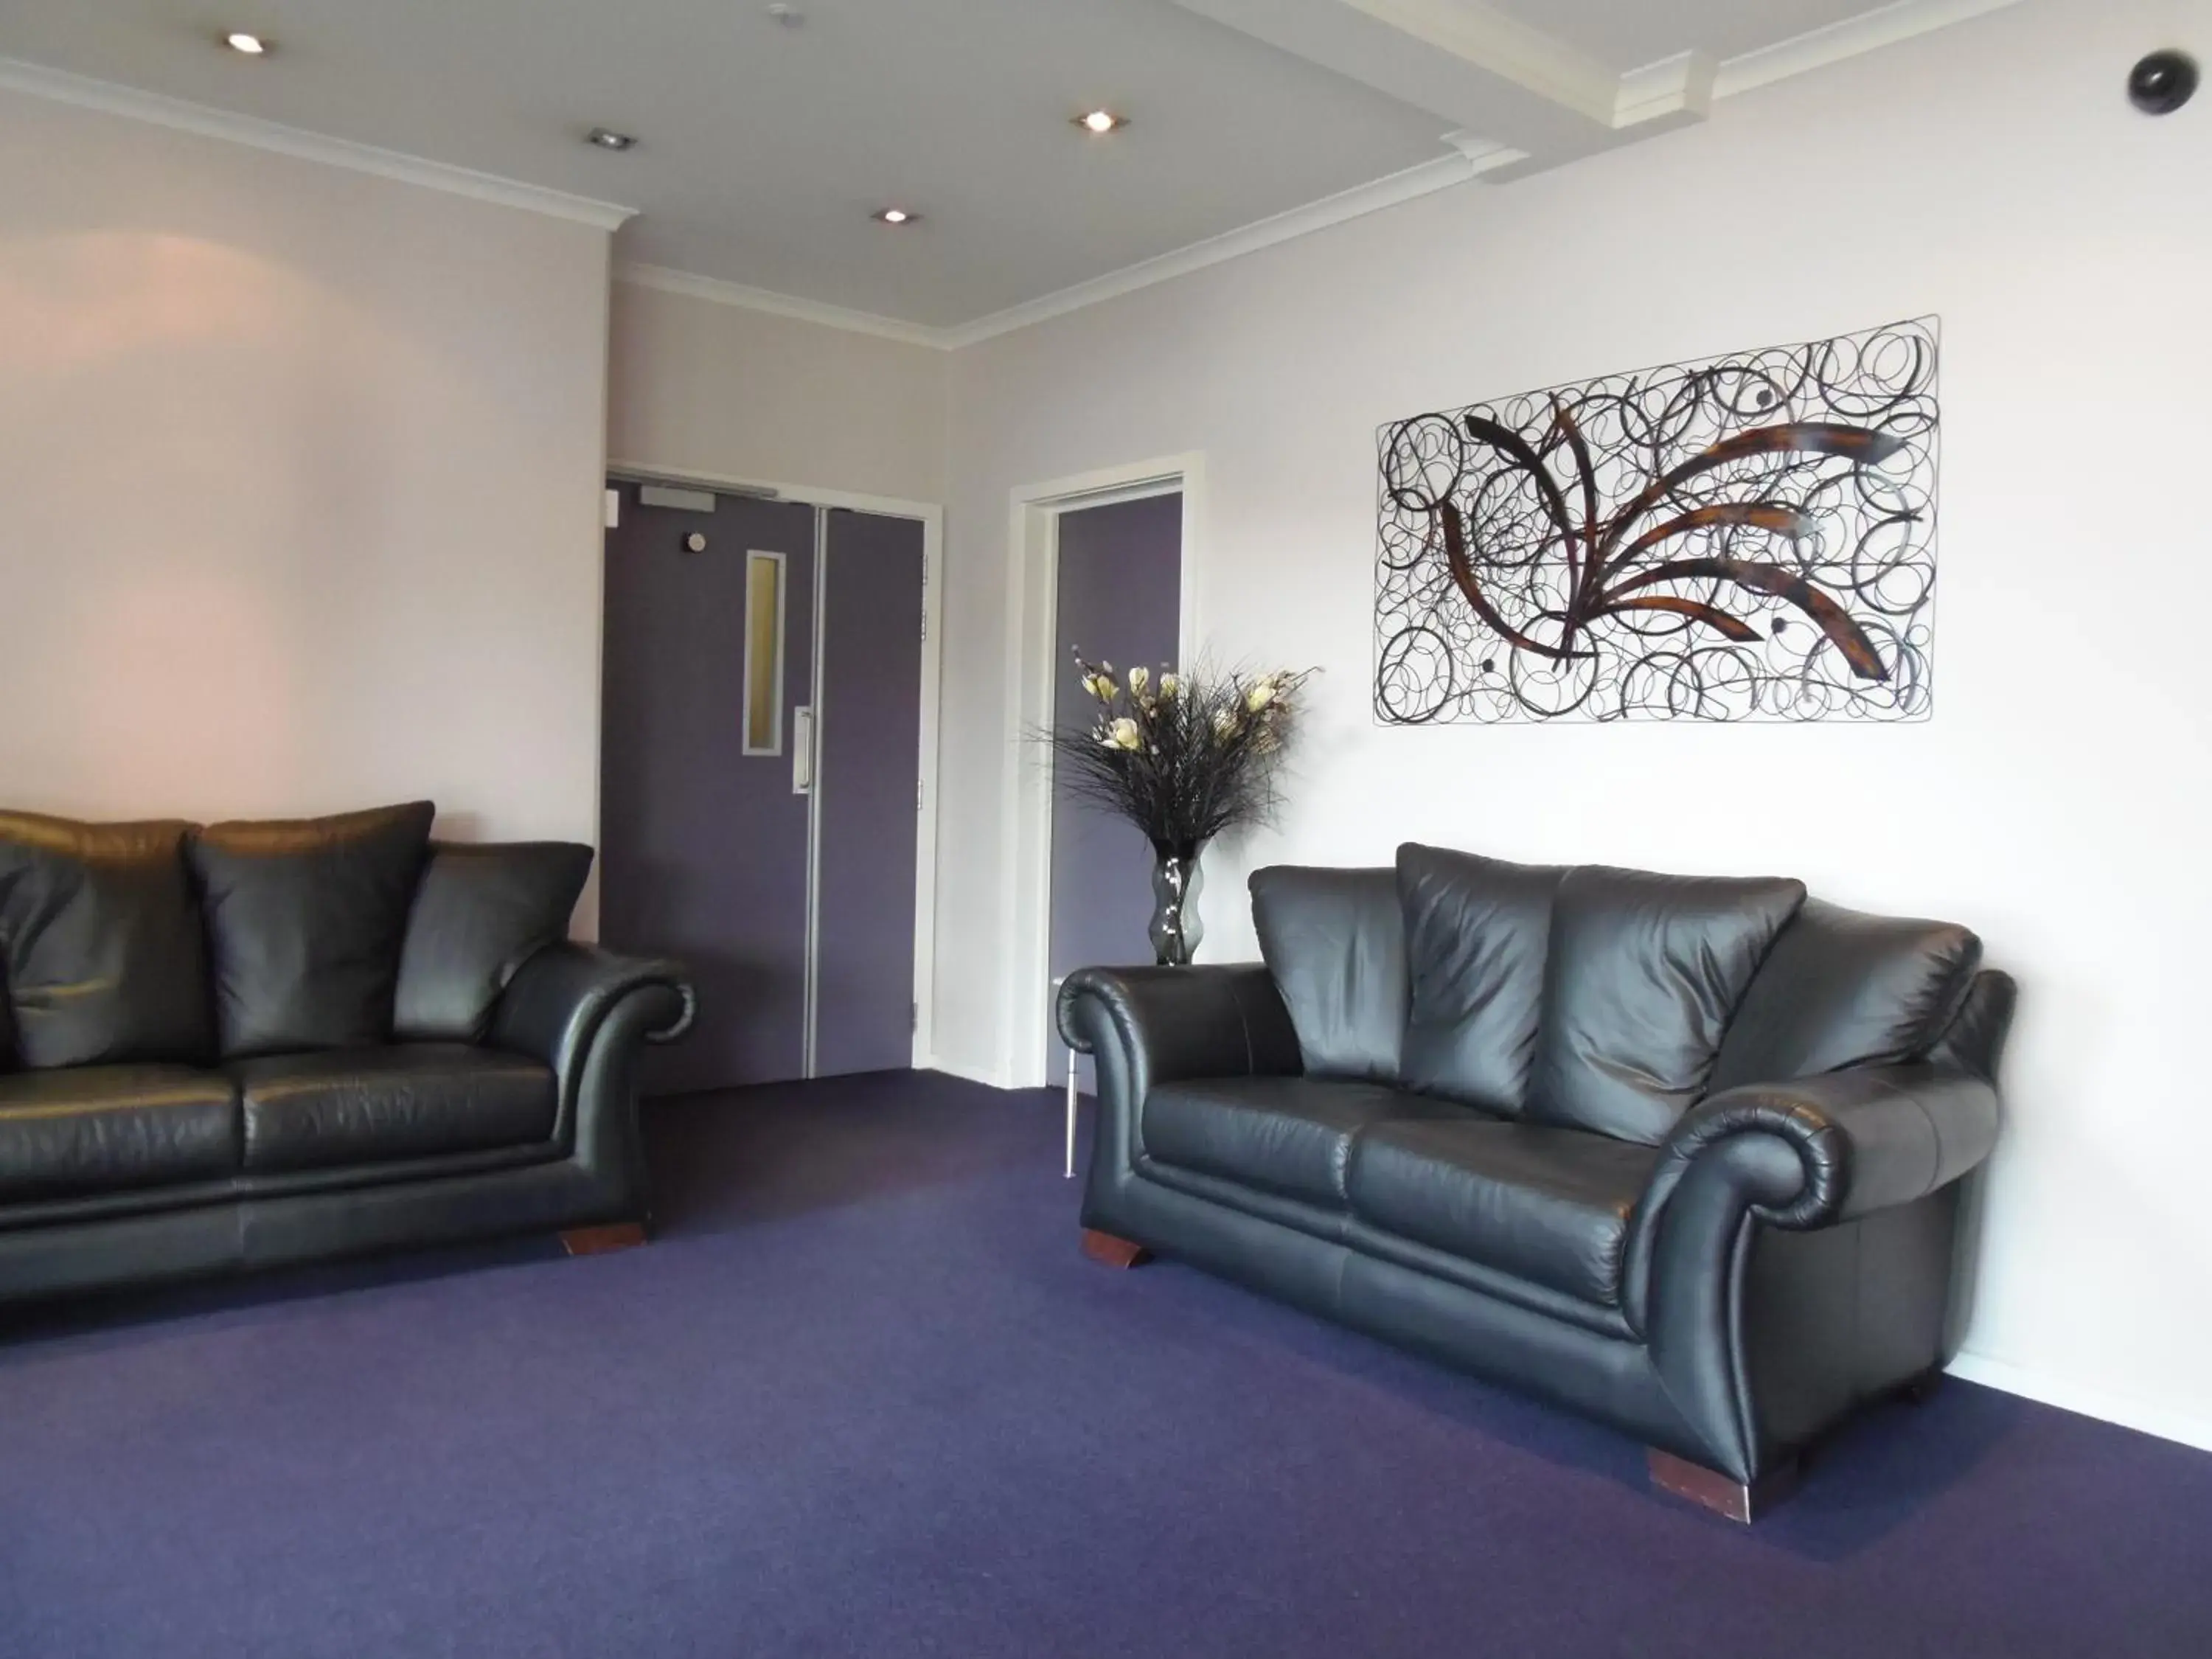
(1183, 758)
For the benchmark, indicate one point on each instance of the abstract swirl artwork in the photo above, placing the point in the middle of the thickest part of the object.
(1751, 538)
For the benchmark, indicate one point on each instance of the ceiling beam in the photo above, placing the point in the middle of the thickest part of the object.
(1503, 87)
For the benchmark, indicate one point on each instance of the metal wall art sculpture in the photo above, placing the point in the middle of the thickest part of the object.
(1747, 539)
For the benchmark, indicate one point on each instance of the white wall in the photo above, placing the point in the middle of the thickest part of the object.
(1992, 174)
(298, 486)
(718, 390)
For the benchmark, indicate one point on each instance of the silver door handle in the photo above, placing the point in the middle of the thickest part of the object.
(802, 752)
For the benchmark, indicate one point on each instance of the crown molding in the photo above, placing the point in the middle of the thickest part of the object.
(110, 98)
(1474, 157)
(1854, 36)
(714, 288)
(1687, 84)
(1423, 179)
(1680, 85)
(1528, 57)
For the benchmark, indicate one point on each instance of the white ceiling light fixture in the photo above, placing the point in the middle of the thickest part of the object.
(790, 16)
(608, 139)
(1101, 122)
(250, 45)
(894, 215)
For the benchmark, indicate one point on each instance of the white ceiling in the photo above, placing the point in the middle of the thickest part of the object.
(763, 148)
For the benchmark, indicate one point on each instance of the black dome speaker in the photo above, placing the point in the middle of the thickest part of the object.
(2162, 82)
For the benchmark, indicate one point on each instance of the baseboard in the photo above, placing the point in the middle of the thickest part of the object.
(989, 1079)
(2185, 1427)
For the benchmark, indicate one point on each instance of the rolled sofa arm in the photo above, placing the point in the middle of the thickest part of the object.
(1146, 1026)
(1807, 1154)
(587, 1013)
(557, 998)
(1173, 1022)
(1837, 1146)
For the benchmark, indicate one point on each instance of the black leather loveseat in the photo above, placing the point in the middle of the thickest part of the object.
(1682, 1154)
(257, 1043)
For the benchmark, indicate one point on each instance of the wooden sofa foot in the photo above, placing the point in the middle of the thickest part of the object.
(598, 1241)
(1922, 1388)
(1112, 1251)
(1738, 1500)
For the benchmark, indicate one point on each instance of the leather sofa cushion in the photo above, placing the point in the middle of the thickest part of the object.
(1288, 1135)
(1643, 974)
(1476, 934)
(369, 1105)
(99, 939)
(1544, 1204)
(99, 1128)
(305, 921)
(480, 912)
(1334, 942)
(1843, 988)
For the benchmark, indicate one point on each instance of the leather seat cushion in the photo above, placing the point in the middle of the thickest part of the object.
(480, 912)
(370, 1105)
(1550, 1206)
(1291, 1135)
(97, 1128)
(101, 944)
(305, 921)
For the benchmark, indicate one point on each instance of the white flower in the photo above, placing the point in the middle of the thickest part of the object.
(1122, 734)
(1139, 678)
(1169, 685)
(1225, 722)
(1099, 687)
(1261, 694)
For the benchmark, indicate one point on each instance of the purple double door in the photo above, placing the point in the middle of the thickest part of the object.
(759, 777)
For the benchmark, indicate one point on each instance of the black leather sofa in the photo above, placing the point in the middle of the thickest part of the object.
(1682, 1154)
(251, 1044)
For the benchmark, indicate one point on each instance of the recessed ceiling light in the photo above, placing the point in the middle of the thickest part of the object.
(1101, 121)
(608, 139)
(252, 45)
(894, 216)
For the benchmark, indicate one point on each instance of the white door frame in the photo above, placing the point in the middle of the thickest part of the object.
(931, 517)
(1034, 672)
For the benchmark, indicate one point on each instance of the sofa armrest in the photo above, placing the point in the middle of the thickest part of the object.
(554, 1005)
(1809, 1153)
(587, 1013)
(1146, 1026)
(1225, 1020)
(1824, 1149)
(1812, 1153)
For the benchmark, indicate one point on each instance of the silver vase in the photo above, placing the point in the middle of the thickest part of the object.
(1175, 929)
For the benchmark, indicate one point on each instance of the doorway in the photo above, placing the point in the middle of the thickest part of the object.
(1030, 1054)
(763, 776)
(1118, 599)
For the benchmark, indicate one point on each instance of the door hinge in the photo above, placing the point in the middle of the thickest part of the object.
(919, 786)
(914, 1016)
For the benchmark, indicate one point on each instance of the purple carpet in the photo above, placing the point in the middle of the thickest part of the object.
(865, 1397)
